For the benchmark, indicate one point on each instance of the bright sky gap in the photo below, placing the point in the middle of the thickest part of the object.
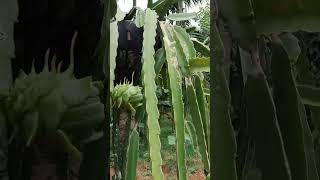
(126, 5)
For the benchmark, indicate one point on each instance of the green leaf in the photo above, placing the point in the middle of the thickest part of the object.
(201, 47)
(202, 105)
(180, 54)
(181, 16)
(208, 177)
(110, 10)
(222, 140)
(161, 6)
(191, 29)
(199, 64)
(185, 41)
(197, 122)
(305, 76)
(310, 95)
(291, 45)
(192, 133)
(245, 63)
(160, 58)
(262, 119)
(175, 81)
(114, 36)
(150, 3)
(286, 99)
(132, 155)
(150, 88)
(140, 18)
(189, 146)
(183, 45)
(309, 145)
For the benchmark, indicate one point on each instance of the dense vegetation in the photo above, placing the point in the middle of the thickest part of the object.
(262, 70)
(53, 114)
(76, 85)
(175, 68)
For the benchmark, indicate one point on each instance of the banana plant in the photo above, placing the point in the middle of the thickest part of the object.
(162, 6)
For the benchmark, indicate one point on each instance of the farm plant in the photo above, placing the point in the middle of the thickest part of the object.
(43, 109)
(177, 59)
(265, 102)
(50, 113)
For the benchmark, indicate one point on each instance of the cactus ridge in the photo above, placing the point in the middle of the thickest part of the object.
(42, 104)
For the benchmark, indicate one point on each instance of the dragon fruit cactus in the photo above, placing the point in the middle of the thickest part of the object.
(54, 106)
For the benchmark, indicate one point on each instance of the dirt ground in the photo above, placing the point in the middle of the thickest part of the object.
(144, 173)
